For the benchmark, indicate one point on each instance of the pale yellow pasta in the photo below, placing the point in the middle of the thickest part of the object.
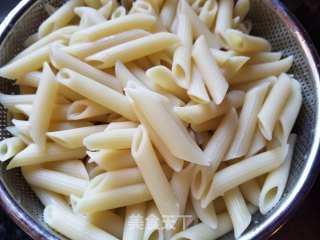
(31, 62)
(180, 183)
(247, 122)
(233, 64)
(174, 162)
(32, 154)
(156, 181)
(73, 138)
(263, 57)
(91, 14)
(124, 75)
(258, 71)
(241, 42)
(164, 78)
(133, 230)
(42, 107)
(221, 56)
(232, 176)
(59, 18)
(197, 90)
(112, 160)
(73, 168)
(144, 63)
(258, 143)
(249, 85)
(216, 149)
(170, 129)
(31, 40)
(54, 181)
(133, 49)
(161, 58)
(181, 67)
(61, 60)
(276, 180)
(224, 20)
(32, 79)
(204, 232)
(83, 50)
(208, 12)
(107, 221)
(73, 226)
(106, 10)
(208, 67)
(10, 147)
(96, 92)
(168, 12)
(63, 34)
(47, 197)
(114, 139)
(9, 101)
(241, 9)
(118, 12)
(83, 109)
(129, 22)
(207, 215)
(238, 210)
(289, 113)
(93, 3)
(114, 198)
(251, 191)
(121, 125)
(273, 105)
(153, 225)
(209, 125)
(198, 27)
(17, 133)
(201, 113)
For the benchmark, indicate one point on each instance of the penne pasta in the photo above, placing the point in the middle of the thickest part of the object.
(10, 147)
(198, 27)
(59, 18)
(258, 71)
(258, 143)
(170, 129)
(164, 78)
(153, 225)
(238, 211)
(73, 138)
(32, 154)
(241, 9)
(289, 113)
(112, 160)
(73, 168)
(208, 12)
(114, 198)
(200, 113)
(197, 90)
(54, 181)
(129, 22)
(247, 122)
(181, 67)
(96, 92)
(251, 191)
(107, 221)
(86, 108)
(157, 183)
(62, 60)
(273, 105)
(134, 226)
(73, 226)
(133, 50)
(50, 198)
(206, 215)
(224, 20)
(217, 85)
(204, 232)
(83, 50)
(276, 180)
(232, 176)
(114, 139)
(216, 150)
(168, 12)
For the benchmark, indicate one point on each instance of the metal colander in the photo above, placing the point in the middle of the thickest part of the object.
(271, 21)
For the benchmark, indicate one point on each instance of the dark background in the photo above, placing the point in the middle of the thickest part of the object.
(305, 223)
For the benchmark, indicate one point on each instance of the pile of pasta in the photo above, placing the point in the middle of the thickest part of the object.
(154, 119)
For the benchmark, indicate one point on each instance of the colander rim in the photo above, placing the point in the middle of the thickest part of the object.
(295, 198)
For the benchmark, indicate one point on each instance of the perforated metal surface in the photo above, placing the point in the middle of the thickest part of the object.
(266, 24)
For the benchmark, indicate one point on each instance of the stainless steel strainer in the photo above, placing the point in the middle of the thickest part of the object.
(270, 20)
